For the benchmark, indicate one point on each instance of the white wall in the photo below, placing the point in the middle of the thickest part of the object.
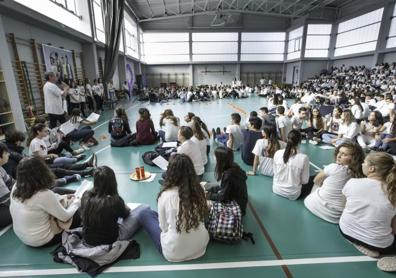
(289, 72)
(312, 68)
(356, 61)
(212, 74)
(55, 12)
(389, 57)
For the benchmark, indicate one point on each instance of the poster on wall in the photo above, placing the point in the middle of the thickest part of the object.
(58, 60)
(130, 73)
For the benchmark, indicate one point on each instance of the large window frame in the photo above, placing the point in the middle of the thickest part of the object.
(262, 46)
(317, 41)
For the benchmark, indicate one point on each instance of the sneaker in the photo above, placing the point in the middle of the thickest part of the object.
(313, 142)
(366, 251)
(77, 177)
(387, 264)
(78, 151)
(85, 147)
(80, 157)
(88, 172)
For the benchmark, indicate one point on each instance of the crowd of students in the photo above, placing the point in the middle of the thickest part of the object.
(352, 109)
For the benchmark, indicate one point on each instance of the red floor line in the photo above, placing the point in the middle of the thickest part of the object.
(270, 241)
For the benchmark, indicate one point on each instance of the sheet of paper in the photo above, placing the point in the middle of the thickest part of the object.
(93, 117)
(161, 162)
(85, 185)
(169, 144)
(326, 147)
(132, 206)
(66, 127)
(150, 179)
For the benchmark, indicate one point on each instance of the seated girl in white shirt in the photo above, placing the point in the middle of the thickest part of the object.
(291, 170)
(264, 151)
(200, 139)
(370, 130)
(348, 130)
(169, 125)
(368, 219)
(178, 230)
(327, 201)
(39, 215)
(387, 140)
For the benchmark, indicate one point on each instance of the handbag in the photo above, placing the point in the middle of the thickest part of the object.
(225, 223)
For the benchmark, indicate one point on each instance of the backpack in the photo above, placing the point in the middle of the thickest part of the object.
(117, 127)
(225, 223)
(165, 152)
(149, 156)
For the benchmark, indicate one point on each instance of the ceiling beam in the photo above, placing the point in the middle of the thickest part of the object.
(214, 13)
(206, 4)
(260, 5)
(151, 10)
(290, 6)
(280, 2)
(305, 8)
(247, 4)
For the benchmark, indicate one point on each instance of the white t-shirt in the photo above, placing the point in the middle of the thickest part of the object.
(327, 201)
(170, 130)
(237, 136)
(289, 177)
(284, 122)
(357, 112)
(53, 99)
(193, 151)
(202, 147)
(368, 213)
(265, 166)
(31, 218)
(349, 131)
(177, 246)
(38, 146)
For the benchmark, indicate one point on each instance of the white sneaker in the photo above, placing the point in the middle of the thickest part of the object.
(312, 142)
(85, 147)
(387, 264)
(366, 251)
(78, 151)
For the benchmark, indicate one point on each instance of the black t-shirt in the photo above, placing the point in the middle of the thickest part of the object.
(107, 210)
(249, 141)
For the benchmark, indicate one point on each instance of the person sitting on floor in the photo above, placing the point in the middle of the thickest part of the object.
(120, 132)
(326, 201)
(169, 125)
(145, 131)
(191, 149)
(234, 133)
(291, 170)
(368, 219)
(232, 179)
(101, 211)
(250, 137)
(178, 230)
(39, 215)
(6, 184)
(264, 152)
(82, 130)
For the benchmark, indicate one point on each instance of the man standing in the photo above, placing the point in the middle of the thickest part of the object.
(53, 100)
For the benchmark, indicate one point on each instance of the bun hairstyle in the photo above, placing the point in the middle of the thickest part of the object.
(293, 140)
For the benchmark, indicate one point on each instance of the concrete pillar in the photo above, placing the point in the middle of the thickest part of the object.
(121, 69)
(90, 58)
(9, 78)
(383, 33)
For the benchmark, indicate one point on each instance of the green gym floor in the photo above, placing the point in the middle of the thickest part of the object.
(290, 241)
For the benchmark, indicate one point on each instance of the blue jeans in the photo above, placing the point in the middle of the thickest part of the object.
(129, 226)
(148, 219)
(83, 133)
(64, 161)
(380, 144)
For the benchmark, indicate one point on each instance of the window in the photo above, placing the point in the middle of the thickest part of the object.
(165, 47)
(359, 34)
(262, 46)
(318, 40)
(142, 56)
(99, 25)
(220, 47)
(391, 41)
(69, 5)
(294, 43)
(131, 37)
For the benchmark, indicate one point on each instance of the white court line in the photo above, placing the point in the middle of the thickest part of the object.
(315, 166)
(102, 149)
(3, 231)
(186, 267)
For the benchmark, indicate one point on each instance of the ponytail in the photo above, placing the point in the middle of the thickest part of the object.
(293, 140)
(273, 142)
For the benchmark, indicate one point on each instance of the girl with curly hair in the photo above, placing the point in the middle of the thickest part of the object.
(178, 229)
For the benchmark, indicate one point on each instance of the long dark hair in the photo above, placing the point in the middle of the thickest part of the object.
(192, 205)
(33, 175)
(273, 142)
(319, 119)
(103, 195)
(166, 114)
(293, 140)
(34, 132)
(196, 128)
(202, 125)
(224, 160)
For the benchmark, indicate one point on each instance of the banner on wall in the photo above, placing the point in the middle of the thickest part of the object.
(58, 60)
(130, 76)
